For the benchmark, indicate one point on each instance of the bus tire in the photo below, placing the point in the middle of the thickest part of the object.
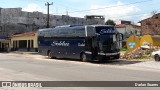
(157, 58)
(83, 57)
(117, 56)
(50, 55)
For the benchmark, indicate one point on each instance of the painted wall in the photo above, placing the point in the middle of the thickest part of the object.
(34, 38)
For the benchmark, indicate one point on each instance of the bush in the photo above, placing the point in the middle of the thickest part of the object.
(124, 49)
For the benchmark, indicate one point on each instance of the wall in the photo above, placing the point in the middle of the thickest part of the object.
(14, 20)
(34, 38)
(151, 25)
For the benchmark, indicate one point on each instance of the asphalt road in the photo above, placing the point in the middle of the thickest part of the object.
(25, 68)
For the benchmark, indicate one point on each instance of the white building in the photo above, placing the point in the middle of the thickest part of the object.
(128, 30)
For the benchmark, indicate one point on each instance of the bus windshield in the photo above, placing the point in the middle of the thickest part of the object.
(108, 43)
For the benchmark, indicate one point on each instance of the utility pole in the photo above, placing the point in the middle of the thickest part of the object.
(48, 4)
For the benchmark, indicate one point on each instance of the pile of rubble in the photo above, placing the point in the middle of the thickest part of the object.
(140, 52)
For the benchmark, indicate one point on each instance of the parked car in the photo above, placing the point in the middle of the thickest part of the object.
(156, 55)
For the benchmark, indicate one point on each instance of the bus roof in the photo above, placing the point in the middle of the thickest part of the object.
(77, 26)
(101, 25)
(71, 31)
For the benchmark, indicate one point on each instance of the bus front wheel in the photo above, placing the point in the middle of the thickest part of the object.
(117, 56)
(83, 57)
(157, 58)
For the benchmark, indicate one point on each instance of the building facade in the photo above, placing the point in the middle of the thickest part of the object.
(128, 30)
(151, 25)
(25, 41)
(4, 44)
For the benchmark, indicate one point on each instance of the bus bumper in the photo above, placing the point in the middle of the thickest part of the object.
(102, 56)
(108, 56)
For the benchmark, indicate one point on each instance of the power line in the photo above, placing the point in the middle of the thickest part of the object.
(146, 12)
(117, 6)
(109, 6)
(105, 8)
(129, 15)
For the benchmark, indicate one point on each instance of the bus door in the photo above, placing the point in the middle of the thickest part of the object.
(91, 48)
(94, 48)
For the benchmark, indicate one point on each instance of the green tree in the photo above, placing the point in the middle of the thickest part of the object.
(110, 22)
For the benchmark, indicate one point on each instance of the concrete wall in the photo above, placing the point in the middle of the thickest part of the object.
(14, 20)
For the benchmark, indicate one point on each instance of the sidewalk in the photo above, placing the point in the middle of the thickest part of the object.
(148, 64)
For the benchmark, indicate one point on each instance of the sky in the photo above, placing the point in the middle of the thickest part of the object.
(132, 10)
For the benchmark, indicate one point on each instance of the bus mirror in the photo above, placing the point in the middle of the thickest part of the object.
(122, 38)
(119, 36)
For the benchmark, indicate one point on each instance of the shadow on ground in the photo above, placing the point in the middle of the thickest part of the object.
(107, 62)
(117, 62)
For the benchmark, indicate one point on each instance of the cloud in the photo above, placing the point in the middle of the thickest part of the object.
(115, 11)
(34, 7)
(145, 16)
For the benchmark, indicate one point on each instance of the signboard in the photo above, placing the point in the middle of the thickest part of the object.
(105, 30)
(131, 44)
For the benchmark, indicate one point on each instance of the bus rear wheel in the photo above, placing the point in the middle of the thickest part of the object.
(50, 55)
(83, 57)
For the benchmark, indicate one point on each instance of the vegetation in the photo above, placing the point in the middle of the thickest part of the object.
(110, 22)
(124, 49)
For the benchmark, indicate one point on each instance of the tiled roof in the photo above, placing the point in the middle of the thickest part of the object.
(124, 26)
(135, 26)
(25, 34)
(121, 26)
